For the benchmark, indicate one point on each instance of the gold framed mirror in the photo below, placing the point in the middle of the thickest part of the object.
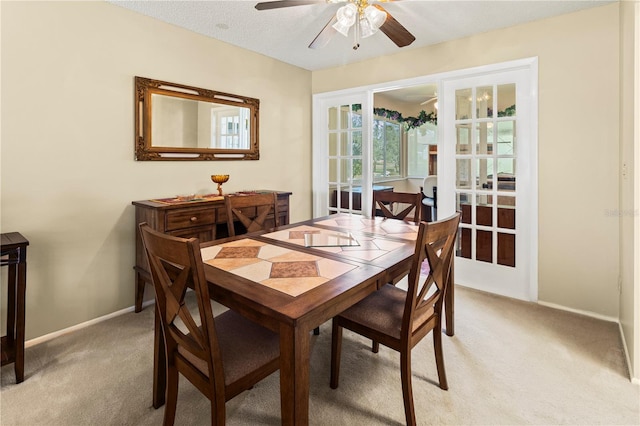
(176, 122)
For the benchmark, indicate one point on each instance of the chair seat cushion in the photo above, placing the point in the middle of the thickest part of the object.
(427, 201)
(245, 346)
(382, 311)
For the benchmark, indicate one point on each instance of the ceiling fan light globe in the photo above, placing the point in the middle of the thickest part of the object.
(366, 29)
(347, 14)
(375, 16)
(345, 18)
(341, 28)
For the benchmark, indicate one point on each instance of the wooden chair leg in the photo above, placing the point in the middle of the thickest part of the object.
(448, 305)
(218, 413)
(407, 389)
(172, 395)
(336, 349)
(437, 348)
(375, 346)
(159, 361)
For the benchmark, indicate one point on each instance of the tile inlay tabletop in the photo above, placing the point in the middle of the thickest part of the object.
(369, 247)
(376, 225)
(282, 269)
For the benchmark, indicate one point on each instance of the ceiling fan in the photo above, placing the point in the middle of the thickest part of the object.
(366, 18)
(428, 101)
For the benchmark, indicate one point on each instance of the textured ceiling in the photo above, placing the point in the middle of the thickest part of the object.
(285, 33)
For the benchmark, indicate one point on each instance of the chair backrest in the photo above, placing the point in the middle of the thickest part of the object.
(429, 185)
(384, 201)
(176, 264)
(251, 211)
(435, 243)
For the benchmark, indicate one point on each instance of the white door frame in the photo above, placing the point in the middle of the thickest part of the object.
(320, 152)
(520, 281)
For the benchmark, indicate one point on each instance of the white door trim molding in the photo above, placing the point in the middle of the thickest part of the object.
(526, 280)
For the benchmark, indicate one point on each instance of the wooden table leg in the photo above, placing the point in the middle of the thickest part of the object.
(14, 255)
(12, 302)
(294, 375)
(20, 321)
(159, 363)
(448, 304)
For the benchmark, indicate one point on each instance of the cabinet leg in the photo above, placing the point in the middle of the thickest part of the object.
(139, 292)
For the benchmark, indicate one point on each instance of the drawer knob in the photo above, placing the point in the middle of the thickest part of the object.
(194, 218)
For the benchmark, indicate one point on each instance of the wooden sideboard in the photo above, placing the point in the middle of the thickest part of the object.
(206, 220)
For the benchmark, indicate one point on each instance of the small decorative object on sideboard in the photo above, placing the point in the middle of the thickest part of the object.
(219, 179)
(186, 197)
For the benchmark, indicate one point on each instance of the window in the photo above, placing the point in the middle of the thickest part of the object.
(387, 137)
(422, 147)
(230, 128)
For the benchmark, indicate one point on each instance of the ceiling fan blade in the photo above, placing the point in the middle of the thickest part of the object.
(325, 35)
(266, 5)
(395, 31)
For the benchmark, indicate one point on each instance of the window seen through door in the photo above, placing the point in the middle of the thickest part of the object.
(387, 137)
(422, 151)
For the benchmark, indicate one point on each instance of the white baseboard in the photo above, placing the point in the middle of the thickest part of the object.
(50, 336)
(579, 311)
(633, 380)
(76, 327)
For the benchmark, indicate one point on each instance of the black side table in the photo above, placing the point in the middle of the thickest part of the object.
(14, 255)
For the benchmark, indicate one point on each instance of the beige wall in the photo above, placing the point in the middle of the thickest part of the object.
(68, 173)
(578, 139)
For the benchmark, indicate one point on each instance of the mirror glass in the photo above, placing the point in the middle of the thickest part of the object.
(177, 122)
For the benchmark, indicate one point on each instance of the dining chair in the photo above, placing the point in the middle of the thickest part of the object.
(251, 211)
(430, 199)
(386, 201)
(223, 356)
(399, 319)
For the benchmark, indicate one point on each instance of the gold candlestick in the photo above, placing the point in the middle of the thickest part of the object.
(219, 179)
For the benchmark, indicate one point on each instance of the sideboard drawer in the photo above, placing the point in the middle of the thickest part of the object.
(189, 218)
(207, 233)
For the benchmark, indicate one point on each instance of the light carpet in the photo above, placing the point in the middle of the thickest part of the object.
(509, 363)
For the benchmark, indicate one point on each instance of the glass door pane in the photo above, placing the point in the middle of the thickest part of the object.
(344, 139)
(485, 184)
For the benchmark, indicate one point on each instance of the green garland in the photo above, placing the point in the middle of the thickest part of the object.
(509, 111)
(423, 117)
(410, 122)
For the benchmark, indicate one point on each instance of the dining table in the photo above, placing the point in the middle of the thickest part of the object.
(293, 278)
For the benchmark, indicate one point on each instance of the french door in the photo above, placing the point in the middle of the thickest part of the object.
(342, 164)
(487, 167)
(488, 173)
